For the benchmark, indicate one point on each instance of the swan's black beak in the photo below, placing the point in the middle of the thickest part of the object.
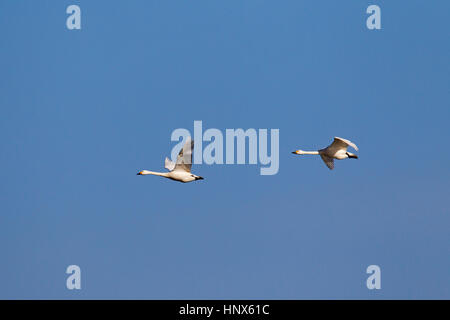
(139, 173)
(199, 178)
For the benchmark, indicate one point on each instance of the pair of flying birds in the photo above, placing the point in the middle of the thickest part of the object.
(181, 170)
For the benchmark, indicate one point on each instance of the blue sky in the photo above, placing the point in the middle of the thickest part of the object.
(83, 110)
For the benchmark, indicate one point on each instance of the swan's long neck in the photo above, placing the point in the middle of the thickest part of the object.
(162, 174)
(309, 152)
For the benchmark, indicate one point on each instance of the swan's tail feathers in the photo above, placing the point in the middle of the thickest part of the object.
(169, 165)
(328, 161)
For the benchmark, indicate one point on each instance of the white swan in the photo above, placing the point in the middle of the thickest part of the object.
(336, 150)
(181, 170)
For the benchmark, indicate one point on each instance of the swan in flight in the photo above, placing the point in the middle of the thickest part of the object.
(181, 170)
(336, 150)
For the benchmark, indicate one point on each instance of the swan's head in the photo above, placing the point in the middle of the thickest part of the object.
(298, 152)
(143, 172)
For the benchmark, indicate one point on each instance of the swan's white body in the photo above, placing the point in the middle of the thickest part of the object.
(336, 150)
(181, 170)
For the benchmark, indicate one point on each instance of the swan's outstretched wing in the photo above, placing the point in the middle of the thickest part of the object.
(340, 143)
(328, 161)
(169, 165)
(184, 159)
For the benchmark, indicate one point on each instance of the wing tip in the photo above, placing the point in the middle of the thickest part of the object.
(350, 143)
